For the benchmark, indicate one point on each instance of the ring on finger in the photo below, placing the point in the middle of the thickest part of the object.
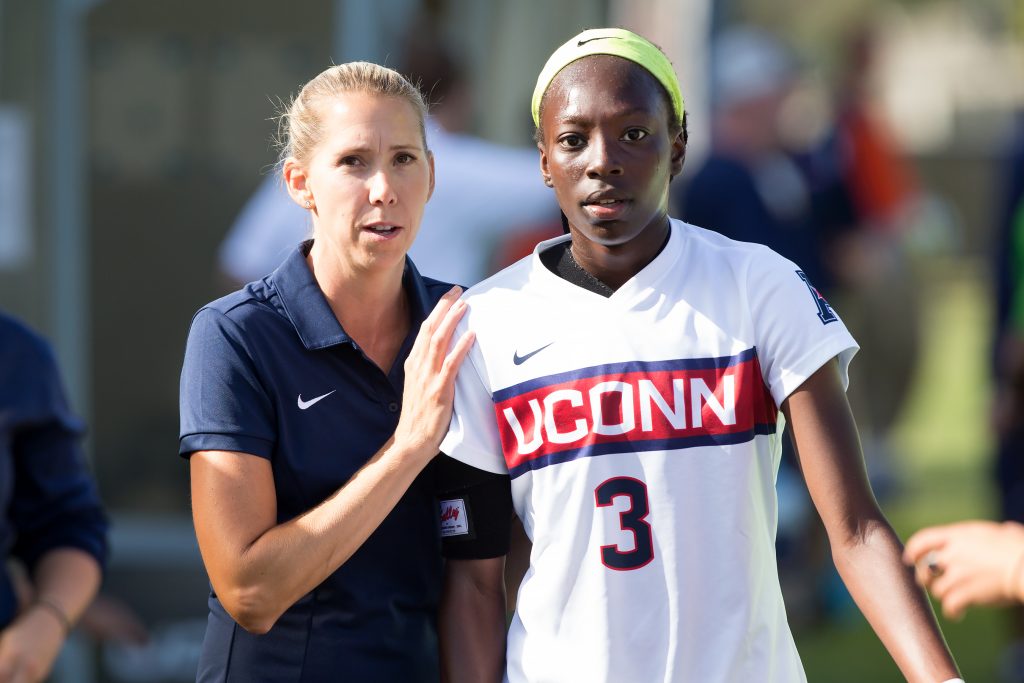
(931, 561)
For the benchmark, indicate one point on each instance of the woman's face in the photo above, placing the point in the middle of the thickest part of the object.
(368, 179)
(607, 149)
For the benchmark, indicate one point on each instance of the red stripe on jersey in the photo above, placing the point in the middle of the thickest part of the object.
(682, 403)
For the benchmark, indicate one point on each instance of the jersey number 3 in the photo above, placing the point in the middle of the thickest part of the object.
(631, 519)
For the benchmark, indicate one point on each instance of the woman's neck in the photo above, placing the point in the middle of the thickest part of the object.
(370, 304)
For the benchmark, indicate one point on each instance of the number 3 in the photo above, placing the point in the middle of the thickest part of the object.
(631, 519)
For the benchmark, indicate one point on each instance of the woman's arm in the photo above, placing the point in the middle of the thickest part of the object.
(865, 549)
(259, 568)
(65, 582)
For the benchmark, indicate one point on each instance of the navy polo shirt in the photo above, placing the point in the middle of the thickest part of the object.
(269, 371)
(47, 497)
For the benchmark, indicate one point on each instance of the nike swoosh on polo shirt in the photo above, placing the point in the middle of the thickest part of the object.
(303, 405)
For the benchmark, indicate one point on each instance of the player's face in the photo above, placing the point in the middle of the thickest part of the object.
(369, 177)
(607, 149)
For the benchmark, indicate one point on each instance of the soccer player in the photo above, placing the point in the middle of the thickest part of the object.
(628, 379)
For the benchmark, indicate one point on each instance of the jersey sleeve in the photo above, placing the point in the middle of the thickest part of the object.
(473, 433)
(222, 402)
(796, 329)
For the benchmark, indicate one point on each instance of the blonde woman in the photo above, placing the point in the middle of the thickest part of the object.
(311, 492)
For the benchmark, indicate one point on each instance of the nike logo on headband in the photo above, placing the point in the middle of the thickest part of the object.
(597, 38)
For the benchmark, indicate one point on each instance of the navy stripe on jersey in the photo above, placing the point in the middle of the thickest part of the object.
(626, 367)
(641, 446)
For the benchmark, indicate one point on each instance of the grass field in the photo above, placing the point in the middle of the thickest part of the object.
(944, 446)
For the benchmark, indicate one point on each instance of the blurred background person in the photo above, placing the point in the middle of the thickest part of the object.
(868, 201)
(52, 524)
(1008, 361)
(463, 238)
(843, 205)
(263, 233)
(1008, 347)
(841, 201)
(752, 187)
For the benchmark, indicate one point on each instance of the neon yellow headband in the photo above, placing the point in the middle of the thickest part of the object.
(610, 41)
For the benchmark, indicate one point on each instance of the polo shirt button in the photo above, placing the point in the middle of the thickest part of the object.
(393, 407)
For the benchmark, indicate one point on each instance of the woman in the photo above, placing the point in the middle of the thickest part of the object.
(628, 379)
(311, 501)
(52, 522)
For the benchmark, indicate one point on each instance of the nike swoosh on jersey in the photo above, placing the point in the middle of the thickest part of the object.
(303, 405)
(519, 360)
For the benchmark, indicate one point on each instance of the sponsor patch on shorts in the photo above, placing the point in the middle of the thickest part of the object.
(454, 520)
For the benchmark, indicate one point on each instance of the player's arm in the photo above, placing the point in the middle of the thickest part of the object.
(472, 617)
(865, 549)
(472, 620)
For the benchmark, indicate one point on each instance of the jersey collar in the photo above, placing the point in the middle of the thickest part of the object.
(638, 285)
(306, 306)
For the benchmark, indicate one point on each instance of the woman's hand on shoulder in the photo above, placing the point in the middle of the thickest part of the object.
(430, 372)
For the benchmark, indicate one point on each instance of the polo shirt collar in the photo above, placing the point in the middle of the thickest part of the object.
(306, 306)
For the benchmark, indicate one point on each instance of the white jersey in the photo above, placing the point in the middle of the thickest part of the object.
(642, 435)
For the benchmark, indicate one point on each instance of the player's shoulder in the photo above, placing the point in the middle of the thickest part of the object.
(702, 243)
(508, 281)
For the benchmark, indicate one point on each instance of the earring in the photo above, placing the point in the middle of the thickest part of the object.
(309, 204)
(547, 181)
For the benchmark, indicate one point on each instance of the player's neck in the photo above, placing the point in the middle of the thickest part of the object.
(616, 264)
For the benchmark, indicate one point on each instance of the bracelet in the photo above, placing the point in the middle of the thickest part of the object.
(954, 680)
(55, 609)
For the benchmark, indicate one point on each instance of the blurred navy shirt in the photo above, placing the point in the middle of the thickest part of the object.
(773, 206)
(47, 495)
(270, 372)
